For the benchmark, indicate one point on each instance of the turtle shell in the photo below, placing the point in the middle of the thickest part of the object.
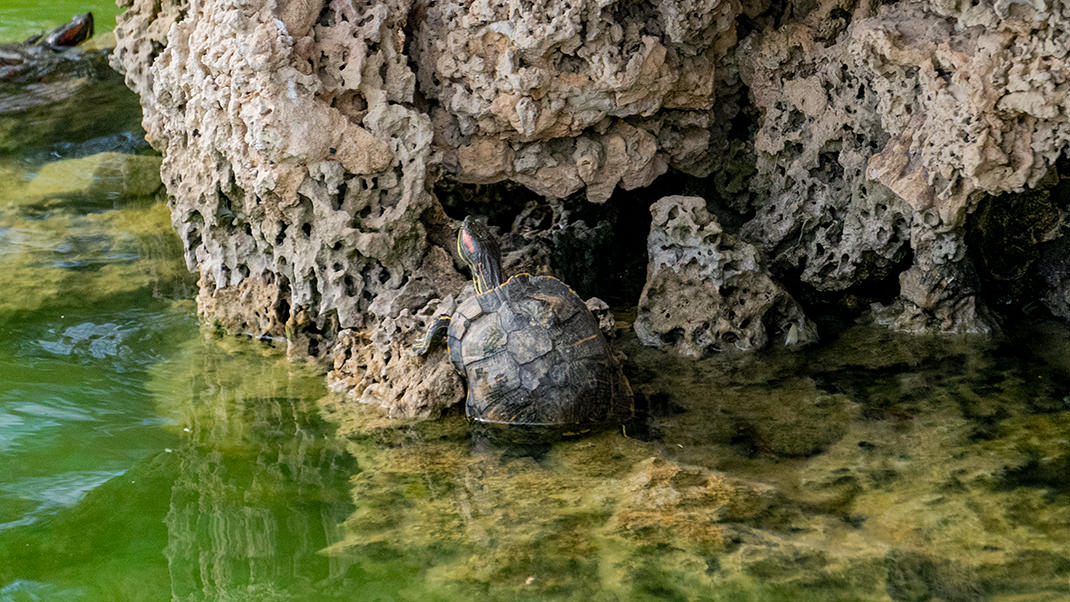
(533, 355)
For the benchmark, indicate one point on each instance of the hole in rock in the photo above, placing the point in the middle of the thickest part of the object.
(597, 249)
(1019, 246)
(835, 310)
(350, 286)
(339, 197)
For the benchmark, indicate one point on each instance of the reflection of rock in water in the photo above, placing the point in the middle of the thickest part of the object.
(877, 467)
(260, 489)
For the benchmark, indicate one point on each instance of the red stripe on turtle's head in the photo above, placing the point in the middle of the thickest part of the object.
(479, 251)
(466, 239)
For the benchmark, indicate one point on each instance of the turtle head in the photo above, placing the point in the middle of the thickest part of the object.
(479, 251)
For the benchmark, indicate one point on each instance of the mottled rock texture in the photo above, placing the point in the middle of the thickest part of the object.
(842, 144)
(880, 130)
(559, 97)
(706, 291)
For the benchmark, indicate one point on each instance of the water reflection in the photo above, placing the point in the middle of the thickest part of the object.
(241, 504)
(877, 467)
(140, 459)
(261, 486)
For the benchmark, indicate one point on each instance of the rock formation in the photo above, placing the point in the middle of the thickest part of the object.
(706, 291)
(881, 130)
(841, 144)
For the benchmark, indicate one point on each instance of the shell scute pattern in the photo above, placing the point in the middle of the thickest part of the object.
(533, 354)
(526, 346)
(485, 338)
(489, 301)
(530, 350)
(470, 308)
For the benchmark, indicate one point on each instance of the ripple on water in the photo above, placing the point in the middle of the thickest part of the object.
(20, 419)
(95, 340)
(53, 492)
(25, 589)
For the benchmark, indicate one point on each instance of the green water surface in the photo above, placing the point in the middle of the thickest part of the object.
(20, 19)
(140, 457)
(144, 457)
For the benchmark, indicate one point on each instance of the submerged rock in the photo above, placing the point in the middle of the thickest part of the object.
(708, 291)
(85, 239)
(931, 472)
(666, 502)
(101, 178)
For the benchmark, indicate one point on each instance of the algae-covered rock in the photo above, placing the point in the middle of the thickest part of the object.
(58, 254)
(883, 467)
(915, 577)
(664, 502)
(102, 178)
(794, 418)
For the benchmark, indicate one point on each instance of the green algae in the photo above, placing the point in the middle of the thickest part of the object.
(260, 485)
(60, 238)
(140, 458)
(877, 467)
(103, 177)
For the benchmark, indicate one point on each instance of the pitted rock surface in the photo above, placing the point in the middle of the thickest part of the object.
(294, 158)
(302, 140)
(561, 97)
(881, 129)
(707, 291)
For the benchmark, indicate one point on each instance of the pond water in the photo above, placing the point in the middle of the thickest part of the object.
(145, 457)
(19, 19)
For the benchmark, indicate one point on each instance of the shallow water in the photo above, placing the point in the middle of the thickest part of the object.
(143, 457)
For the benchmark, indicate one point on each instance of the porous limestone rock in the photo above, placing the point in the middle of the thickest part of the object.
(880, 130)
(707, 291)
(296, 165)
(302, 140)
(601, 311)
(564, 97)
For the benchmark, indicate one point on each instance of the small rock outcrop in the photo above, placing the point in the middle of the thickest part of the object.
(707, 291)
(298, 167)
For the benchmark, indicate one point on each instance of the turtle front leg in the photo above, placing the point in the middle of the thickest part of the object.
(435, 333)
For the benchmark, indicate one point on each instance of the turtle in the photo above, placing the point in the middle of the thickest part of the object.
(26, 62)
(529, 348)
